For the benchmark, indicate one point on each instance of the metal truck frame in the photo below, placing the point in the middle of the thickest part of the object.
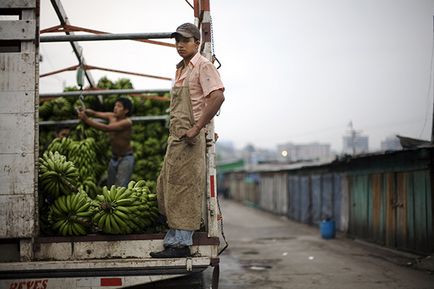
(28, 260)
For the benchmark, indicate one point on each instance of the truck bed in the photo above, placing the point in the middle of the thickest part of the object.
(100, 246)
(96, 259)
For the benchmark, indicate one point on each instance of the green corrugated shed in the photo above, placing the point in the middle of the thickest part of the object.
(230, 166)
(391, 199)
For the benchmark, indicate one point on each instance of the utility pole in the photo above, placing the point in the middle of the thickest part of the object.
(353, 137)
(432, 125)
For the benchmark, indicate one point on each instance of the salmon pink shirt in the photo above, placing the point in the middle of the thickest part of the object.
(204, 79)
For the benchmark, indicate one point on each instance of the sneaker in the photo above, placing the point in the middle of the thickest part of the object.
(172, 252)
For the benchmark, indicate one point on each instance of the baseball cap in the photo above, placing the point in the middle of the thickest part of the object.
(187, 30)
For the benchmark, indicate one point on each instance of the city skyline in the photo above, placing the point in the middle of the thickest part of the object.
(295, 152)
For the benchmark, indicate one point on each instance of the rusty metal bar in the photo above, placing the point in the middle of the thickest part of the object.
(103, 92)
(196, 8)
(126, 72)
(204, 5)
(99, 37)
(90, 67)
(56, 28)
(74, 67)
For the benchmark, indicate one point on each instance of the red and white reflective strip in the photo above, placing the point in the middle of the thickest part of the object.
(110, 281)
(70, 283)
(212, 186)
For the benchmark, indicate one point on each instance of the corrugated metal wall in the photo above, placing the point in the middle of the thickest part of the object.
(295, 210)
(244, 187)
(273, 193)
(393, 209)
(266, 193)
(385, 199)
(361, 206)
(314, 197)
(280, 192)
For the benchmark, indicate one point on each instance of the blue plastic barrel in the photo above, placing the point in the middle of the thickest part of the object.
(327, 229)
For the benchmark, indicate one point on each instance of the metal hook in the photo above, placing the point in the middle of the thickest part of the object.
(215, 58)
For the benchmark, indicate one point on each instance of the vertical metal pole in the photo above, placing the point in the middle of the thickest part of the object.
(432, 125)
(430, 232)
(37, 16)
(78, 50)
(211, 154)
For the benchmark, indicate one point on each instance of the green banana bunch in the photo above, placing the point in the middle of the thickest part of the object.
(83, 155)
(87, 131)
(61, 145)
(112, 209)
(45, 109)
(89, 186)
(61, 108)
(71, 214)
(146, 203)
(123, 210)
(56, 175)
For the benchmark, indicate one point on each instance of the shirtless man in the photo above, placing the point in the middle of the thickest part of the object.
(119, 129)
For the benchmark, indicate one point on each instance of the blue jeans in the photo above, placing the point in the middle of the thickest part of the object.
(120, 171)
(178, 238)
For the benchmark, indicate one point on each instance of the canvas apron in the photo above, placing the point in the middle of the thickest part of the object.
(181, 184)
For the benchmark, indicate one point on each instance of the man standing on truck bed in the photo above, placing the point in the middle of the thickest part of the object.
(196, 97)
(119, 129)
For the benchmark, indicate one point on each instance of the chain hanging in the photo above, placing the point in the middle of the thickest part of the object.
(212, 43)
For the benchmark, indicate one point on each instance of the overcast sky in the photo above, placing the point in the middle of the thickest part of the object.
(294, 70)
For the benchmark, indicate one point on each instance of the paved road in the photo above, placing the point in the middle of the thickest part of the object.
(267, 251)
(271, 252)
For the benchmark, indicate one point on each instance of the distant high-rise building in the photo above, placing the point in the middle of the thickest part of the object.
(354, 142)
(290, 152)
(391, 143)
(253, 155)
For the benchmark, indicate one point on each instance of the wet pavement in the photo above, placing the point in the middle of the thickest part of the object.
(268, 251)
